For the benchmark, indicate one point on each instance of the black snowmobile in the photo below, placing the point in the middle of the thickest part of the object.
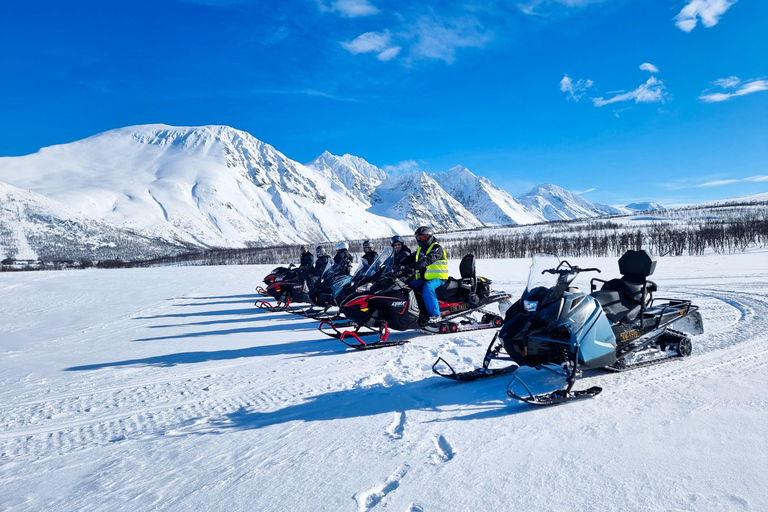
(287, 287)
(618, 327)
(383, 301)
(277, 275)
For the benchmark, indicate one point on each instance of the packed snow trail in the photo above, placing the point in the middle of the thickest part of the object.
(166, 389)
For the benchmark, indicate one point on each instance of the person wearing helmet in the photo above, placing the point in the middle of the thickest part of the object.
(401, 253)
(322, 263)
(431, 265)
(307, 261)
(342, 258)
(369, 254)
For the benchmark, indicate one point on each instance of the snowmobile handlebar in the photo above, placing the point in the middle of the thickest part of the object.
(569, 270)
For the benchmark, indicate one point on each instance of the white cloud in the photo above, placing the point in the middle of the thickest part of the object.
(438, 38)
(649, 67)
(709, 11)
(730, 83)
(575, 90)
(717, 183)
(403, 167)
(368, 42)
(651, 91)
(349, 8)
(727, 83)
(389, 53)
(532, 6)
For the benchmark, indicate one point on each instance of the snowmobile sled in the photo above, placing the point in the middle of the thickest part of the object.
(287, 288)
(383, 301)
(277, 275)
(619, 326)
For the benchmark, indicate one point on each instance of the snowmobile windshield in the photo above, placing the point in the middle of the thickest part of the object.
(330, 272)
(383, 260)
(538, 283)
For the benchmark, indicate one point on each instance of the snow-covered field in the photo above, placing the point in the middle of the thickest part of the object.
(165, 389)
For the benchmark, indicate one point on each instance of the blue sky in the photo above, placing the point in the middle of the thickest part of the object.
(623, 100)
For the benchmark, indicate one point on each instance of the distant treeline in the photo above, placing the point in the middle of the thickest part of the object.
(722, 229)
(735, 232)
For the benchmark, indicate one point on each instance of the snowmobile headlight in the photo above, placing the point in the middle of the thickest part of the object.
(278, 279)
(530, 305)
(364, 288)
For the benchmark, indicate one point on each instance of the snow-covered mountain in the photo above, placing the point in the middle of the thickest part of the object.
(648, 206)
(551, 202)
(207, 186)
(489, 203)
(419, 200)
(351, 174)
(175, 188)
(35, 227)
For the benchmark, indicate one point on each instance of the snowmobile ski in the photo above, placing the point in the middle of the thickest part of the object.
(482, 372)
(381, 343)
(334, 331)
(560, 396)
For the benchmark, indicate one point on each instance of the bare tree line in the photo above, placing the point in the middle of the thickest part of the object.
(725, 229)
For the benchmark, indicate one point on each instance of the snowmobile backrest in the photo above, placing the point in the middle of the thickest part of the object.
(467, 267)
(467, 271)
(636, 266)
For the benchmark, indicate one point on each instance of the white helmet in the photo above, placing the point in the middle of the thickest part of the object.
(342, 245)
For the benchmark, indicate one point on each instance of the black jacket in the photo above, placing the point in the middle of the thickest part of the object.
(307, 260)
(344, 260)
(321, 265)
(370, 257)
(402, 257)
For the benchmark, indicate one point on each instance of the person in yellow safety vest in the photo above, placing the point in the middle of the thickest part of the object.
(431, 265)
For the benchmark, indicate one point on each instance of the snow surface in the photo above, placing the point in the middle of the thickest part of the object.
(165, 389)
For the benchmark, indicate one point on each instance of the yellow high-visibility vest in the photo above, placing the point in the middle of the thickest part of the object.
(437, 270)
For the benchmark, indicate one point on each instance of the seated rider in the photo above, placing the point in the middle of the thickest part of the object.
(307, 262)
(369, 254)
(343, 259)
(401, 253)
(431, 265)
(322, 263)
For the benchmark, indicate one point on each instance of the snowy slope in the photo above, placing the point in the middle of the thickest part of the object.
(419, 200)
(551, 202)
(209, 186)
(352, 174)
(645, 207)
(34, 227)
(180, 396)
(483, 199)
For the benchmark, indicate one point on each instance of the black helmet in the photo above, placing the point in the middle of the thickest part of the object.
(367, 244)
(424, 236)
(320, 250)
(397, 239)
(303, 249)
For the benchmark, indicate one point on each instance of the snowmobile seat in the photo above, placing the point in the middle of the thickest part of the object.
(450, 291)
(616, 305)
(454, 290)
(623, 299)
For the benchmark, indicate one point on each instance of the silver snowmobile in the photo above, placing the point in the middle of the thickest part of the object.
(619, 326)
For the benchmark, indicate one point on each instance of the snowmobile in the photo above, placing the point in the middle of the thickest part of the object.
(287, 287)
(383, 301)
(618, 327)
(277, 275)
